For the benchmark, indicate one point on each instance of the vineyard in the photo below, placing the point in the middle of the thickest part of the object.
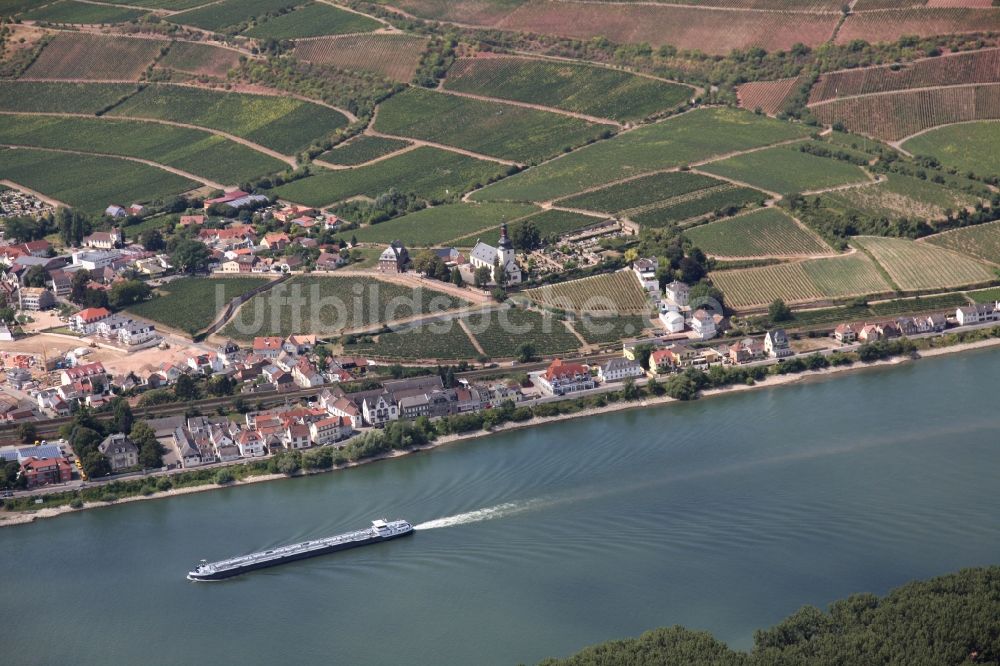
(89, 182)
(786, 170)
(592, 90)
(363, 148)
(550, 223)
(490, 128)
(761, 233)
(284, 124)
(914, 266)
(893, 116)
(768, 96)
(427, 172)
(442, 224)
(200, 59)
(327, 305)
(220, 15)
(899, 196)
(440, 340)
(501, 333)
(947, 70)
(68, 11)
(35, 97)
(721, 201)
(972, 147)
(607, 294)
(888, 26)
(191, 304)
(312, 20)
(639, 192)
(611, 330)
(194, 151)
(690, 137)
(392, 56)
(801, 282)
(981, 241)
(83, 56)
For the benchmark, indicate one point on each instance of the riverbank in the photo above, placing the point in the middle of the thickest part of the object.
(771, 381)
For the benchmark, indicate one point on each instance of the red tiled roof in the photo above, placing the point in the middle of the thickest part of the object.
(93, 314)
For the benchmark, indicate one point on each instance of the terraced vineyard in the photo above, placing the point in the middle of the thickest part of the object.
(69, 11)
(639, 192)
(326, 305)
(441, 340)
(893, 116)
(428, 172)
(690, 137)
(800, 282)
(89, 182)
(768, 96)
(971, 147)
(443, 224)
(362, 149)
(393, 56)
(489, 128)
(915, 266)
(591, 90)
(41, 97)
(312, 20)
(948, 70)
(786, 170)
(191, 304)
(981, 241)
(97, 57)
(721, 200)
(761, 233)
(284, 124)
(500, 334)
(229, 13)
(609, 294)
(194, 151)
(200, 59)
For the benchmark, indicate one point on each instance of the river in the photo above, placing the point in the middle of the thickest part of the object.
(724, 514)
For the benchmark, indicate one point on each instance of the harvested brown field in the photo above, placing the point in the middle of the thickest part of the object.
(472, 12)
(713, 31)
(200, 59)
(888, 26)
(893, 116)
(959, 3)
(95, 57)
(967, 67)
(768, 96)
(393, 56)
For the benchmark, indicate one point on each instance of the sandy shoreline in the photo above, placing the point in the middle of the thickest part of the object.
(23, 517)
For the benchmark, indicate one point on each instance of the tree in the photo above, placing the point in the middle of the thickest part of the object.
(186, 388)
(152, 240)
(36, 276)
(629, 390)
(79, 284)
(27, 433)
(95, 298)
(95, 464)
(123, 418)
(778, 311)
(456, 277)
(525, 236)
(526, 352)
(631, 255)
(128, 293)
(150, 450)
(190, 256)
(482, 276)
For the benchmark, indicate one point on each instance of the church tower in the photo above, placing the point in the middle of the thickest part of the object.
(505, 249)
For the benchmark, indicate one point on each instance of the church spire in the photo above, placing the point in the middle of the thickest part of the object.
(504, 239)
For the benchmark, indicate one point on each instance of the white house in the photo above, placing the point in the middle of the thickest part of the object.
(94, 259)
(487, 256)
(380, 409)
(328, 431)
(974, 314)
(672, 320)
(678, 293)
(703, 324)
(136, 333)
(251, 444)
(776, 344)
(562, 378)
(645, 271)
(619, 369)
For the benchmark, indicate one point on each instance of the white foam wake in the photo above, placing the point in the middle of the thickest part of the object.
(479, 515)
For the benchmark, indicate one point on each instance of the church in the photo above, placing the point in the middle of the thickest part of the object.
(501, 256)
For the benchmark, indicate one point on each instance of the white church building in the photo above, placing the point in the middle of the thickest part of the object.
(501, 256)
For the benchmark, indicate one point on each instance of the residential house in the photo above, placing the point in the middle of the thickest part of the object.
(746, 350)
(776, 344)
(678, 293)
(907, 326)
(89, 371)
(245, 263)
(267, 347)
(187, 450)
(329, 430)
(62, 283)
(299, 344)
(645, 272)
(703, 324)
(120, 451)
(394, 259)
(136, 333)
(845, 333)
(975, 314)
(329, 261)
(115, 210)
(110, 325)
(290, 212)
(305, 374)
(937, 322)
(35, 298)
(251, 444)
(46, 471)
(296, 436)
(619, 369)
(36, 248)
(343, 407)
(672, 320)
(85, 321)
(276, 240)
(192, 220)
(379, 409)
(561, 378)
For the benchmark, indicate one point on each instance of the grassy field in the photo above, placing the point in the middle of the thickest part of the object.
(690, 137)
(312, 20)
(501, 333)
(200, 59)
(194, 151)
(607, 294)
(786, 170)
(229, 13)
(801, 282)
(981, 241)
(442, 340)
(427, 172)
(89, 182)
(68, 11)
(442, 224)
(394, 56)
(191, 304)
(640, 192)
(720, 201)
(761, 233)
(37, 97)
(899, 196)
(284, 124)
(914, 266)
(490, 128)
(97, 57)
(968, 147)
(326, 305)
(595, 91)
(608, 330)
(362, 149)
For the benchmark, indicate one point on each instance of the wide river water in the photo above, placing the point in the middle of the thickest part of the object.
(724, 514)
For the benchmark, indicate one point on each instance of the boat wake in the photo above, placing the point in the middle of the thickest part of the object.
(479, 515)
